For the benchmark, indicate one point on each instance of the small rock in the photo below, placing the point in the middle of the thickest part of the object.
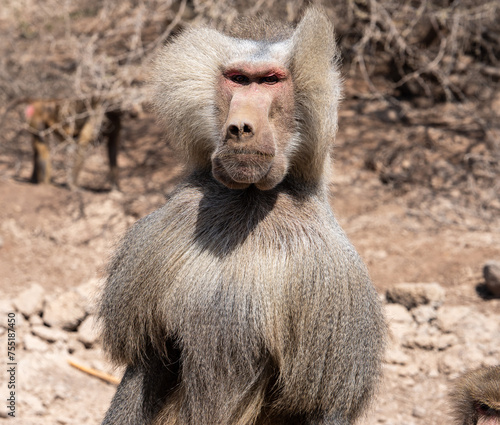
(33, 343)
(61, 391)
(74, 345)
(398, 331)
(6, 307)
(408, 370)
(478, 327)
(36, 406)
(412, 295)
(473, 357)
(424, 314)
(491, 273)
(425, 337)
(400, 321)
(419, 412)
(67, 311)
(451, 364)
(449, 317)
(49, 334)
(425, 342)
(446, 341)
(30, 301)
(87, 332)
(398, 313)
(89, 291)
(35, 320)
(397, 356)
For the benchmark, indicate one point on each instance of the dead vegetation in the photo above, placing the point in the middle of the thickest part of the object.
(432, 65)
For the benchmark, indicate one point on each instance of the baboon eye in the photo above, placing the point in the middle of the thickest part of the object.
(271, 79)
(240, 79)
(486, 410)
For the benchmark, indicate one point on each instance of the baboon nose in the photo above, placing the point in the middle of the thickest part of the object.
(240, 130)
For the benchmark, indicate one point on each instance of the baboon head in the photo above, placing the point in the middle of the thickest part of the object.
(475, 397)
(252, 111)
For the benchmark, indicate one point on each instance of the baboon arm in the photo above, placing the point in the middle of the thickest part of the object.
(144, 389)
(140, 395)
(128, 405)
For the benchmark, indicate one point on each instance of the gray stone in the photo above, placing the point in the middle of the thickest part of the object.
(425, 337)
(90, 292)
(491, 273)
(446, 341)
(6, 307)
(451, 364)
(419, 412)
(49, 334)
(35, 404)
(33, 343)
(74, 345)
(449, 317)
(87, 332)
(35, 320)
(399, 320)
(412, 295)
(424, 314)
(30, 301)
(67, 311)
(398, 313)
(395, 355)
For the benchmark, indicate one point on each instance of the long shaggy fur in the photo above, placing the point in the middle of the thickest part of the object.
(247, 306)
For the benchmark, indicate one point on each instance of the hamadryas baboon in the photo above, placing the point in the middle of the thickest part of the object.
(475, 397)
(76, 119)
(241, 300)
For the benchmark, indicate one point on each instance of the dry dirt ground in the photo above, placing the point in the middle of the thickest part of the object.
(62, 240)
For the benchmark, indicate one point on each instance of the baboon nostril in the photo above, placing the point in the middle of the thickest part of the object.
(233, 129)
(241, 130)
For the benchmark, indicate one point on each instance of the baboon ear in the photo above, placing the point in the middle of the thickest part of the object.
(317, 87)
(313, 43)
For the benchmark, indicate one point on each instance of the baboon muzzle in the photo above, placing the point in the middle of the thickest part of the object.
(247, 149)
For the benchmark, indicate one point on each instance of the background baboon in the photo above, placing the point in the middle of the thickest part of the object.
(241, 300)
(76, 119)
(476, 397)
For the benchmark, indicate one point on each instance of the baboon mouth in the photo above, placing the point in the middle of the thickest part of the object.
(241, 166)
(247, 172)
(252, 153)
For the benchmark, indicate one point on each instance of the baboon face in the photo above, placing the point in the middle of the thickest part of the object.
(256, 110)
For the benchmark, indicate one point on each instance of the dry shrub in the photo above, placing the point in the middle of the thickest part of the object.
(411, 55)
(446, 163)
(438, 49)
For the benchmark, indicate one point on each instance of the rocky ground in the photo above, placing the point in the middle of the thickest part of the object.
(426, 263)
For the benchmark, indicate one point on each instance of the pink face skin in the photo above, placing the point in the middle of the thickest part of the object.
(256, 108)
(29, 111)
